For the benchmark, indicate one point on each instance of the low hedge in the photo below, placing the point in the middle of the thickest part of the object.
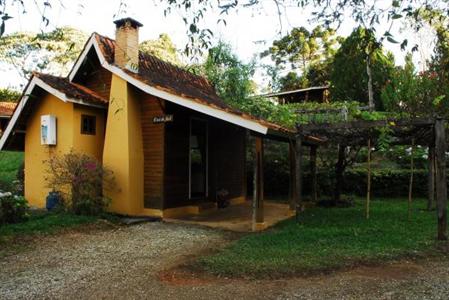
(384, 183)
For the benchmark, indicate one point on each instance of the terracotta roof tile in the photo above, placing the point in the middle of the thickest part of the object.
(72, 90)
(7, 108)
(165, 76)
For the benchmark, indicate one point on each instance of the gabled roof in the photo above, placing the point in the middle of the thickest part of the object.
(173, 84)
(158, 73)
(73, 90)
(7, 108)
(154, 77)
(61, 88)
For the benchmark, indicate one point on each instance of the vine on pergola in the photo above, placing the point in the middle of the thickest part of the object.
(382, 133)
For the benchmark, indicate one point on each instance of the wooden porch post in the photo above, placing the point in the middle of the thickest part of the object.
(440, 178)
(292, 186)
(313, 150)
(431, 177)
(258, 214)
(298, 161)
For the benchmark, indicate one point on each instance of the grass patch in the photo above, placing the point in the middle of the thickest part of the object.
(329, 238)
(45, 223)
(9, 165)
(14, 237)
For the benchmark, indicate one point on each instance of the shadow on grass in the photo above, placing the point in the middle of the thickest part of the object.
(327, 239)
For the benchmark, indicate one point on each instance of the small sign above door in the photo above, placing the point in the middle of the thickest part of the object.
(163, 119)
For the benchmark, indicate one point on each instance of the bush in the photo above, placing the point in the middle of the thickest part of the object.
(13, 209)
(384, 183)
(80, 179)
(19, 183)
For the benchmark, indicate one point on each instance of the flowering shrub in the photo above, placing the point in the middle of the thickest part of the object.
(13, 209)
(81, 180)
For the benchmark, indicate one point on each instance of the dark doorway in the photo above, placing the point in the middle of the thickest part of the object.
(198, 158)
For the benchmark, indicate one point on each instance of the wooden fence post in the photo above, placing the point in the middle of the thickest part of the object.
(298, 161)
(313, 150)
(258, 196)
(410, 185)
(368, 183)
(292, 187)
(440, 178)
(431, 177)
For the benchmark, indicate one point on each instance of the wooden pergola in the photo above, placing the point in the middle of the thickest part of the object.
(258, 222)
(425, 132)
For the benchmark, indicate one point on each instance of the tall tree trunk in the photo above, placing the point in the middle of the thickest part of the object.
(339, 169)
(370, 83)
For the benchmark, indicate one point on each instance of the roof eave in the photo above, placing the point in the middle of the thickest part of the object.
(35, 81)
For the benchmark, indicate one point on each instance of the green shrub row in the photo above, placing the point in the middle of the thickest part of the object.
(384, 183)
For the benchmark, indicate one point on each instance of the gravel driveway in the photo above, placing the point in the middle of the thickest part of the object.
(136, 262)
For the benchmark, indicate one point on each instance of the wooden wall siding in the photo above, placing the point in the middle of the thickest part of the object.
(177, 157)
(229, 155)
(153, 151)
(99, 81)
(226, 159)
(93, 76)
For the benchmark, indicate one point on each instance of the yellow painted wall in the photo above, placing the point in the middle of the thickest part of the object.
(68, 120)
(35, 153)
(91, 145)
(123, 151)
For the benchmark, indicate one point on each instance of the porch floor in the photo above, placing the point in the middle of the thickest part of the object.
(236, 217)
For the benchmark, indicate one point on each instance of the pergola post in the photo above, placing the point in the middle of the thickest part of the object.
(368, 181)
(258, 214)
(313, 150)
(292, 183)
(298, 160)
(440, 178)
(431, 177)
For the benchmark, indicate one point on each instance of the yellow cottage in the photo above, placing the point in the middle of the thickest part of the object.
(171, 142)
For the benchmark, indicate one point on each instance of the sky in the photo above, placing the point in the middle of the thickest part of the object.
(249, 31)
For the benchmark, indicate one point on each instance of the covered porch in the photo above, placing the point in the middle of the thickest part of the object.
(257, 211)
(236, 217)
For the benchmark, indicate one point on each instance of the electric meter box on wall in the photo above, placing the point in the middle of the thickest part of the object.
(48, 130)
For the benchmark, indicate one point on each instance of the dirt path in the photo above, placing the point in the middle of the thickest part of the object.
(132, 263)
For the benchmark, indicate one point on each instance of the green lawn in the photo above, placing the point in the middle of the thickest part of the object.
(44, 223)
(9, 164)
(327, 239)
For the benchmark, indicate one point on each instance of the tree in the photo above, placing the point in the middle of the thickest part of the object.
(319, 74)
(424, 94)
(402, 86)
(349, 76)
(162, 48)
(301, 48)
(53, 52)
(231, 77)
(440, 59)
(306, 53)
(9, 95)
(367, 14)
(292, 81)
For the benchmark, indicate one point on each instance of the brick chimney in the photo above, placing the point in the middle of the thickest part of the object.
(127, 44)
